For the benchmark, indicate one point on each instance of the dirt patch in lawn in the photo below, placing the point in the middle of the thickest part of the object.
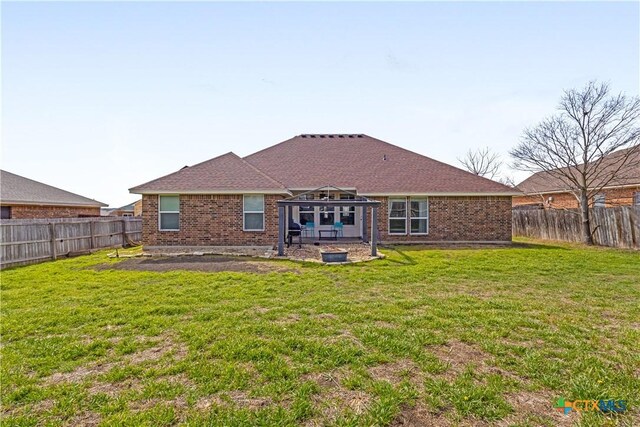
(179, 403)
(334, 399)
(398, 371)
(201, 263)
(343, 337)
(115, 389)
(289, 319)
(36, 408)
(85, 419)
(539, 404)
(418, 415)
(163, 345)
(458, 355)
(236, 398)
(80, 374)
(166, 345)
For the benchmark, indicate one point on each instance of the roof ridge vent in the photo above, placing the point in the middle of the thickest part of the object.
(332, 135)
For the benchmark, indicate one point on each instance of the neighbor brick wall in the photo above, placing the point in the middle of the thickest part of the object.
(457, 219)
(29, 211)
(613, 197)
(209, 220)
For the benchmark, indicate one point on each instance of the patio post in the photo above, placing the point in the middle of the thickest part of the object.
(281, 230)
(365, 237)
(374, 231)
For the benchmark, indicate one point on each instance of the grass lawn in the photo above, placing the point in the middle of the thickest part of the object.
(423, 337)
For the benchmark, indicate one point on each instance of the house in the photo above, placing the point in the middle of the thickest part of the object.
(326, 181)
(22, 197)
(549, 191)
(126, 210)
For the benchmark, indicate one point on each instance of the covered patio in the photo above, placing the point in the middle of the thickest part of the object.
(348, 201)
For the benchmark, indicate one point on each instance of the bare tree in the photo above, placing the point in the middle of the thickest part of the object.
(482, 162)
(591, 143)
(507, 180)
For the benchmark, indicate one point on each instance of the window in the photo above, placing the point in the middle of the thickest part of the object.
(6, 212)
(327, 214)
(169, 208)
(253, 212)
(598, 201)
(636, 199)
(306, 212)
(398, 216)
(419, 216)
(347, 213)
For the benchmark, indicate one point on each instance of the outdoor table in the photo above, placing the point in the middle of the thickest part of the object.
(333, 234)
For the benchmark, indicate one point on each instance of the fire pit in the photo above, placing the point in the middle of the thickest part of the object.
(334, 255)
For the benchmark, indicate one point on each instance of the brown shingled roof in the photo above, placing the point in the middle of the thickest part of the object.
(545, 182)
(307, 161)
(226, 173)
(368, 164)
(16, 189)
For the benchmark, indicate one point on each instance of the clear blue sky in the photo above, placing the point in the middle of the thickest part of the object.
(99, 97)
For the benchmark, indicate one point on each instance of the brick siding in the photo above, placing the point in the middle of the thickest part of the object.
(32, 211)
(209, 220)
(216, 220)
(456, 219)
(613, 197)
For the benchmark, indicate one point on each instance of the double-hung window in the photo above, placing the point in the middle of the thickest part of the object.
(347, 213)
(398, 216)
(599, 200)
(169, 213)
(307, 212)
(253, 212)
(327, 214)
(419, 216)
(636, 198)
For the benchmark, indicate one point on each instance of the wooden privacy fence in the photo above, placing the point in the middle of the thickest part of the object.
(25, 241)
(617, 227)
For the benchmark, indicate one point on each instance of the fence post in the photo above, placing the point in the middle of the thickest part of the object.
(92, 233)
(124, 233)
(52, 230)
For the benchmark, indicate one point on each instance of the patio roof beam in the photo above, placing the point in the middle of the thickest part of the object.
(329, 203)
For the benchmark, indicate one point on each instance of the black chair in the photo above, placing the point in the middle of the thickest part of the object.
(294, 231)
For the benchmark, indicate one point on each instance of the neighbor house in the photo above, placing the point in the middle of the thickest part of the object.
(22, 197)
(230, 200)
(549, 191)
(125, 211)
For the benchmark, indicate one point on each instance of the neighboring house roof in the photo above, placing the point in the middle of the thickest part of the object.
(368, 164)
(546, 182)
(224, 174)
(16, 189)
(125, 208)
(128, 207)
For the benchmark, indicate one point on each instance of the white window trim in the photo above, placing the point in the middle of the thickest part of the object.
(406, 212)
(161, 212)
(244, 228)
(418, 217)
